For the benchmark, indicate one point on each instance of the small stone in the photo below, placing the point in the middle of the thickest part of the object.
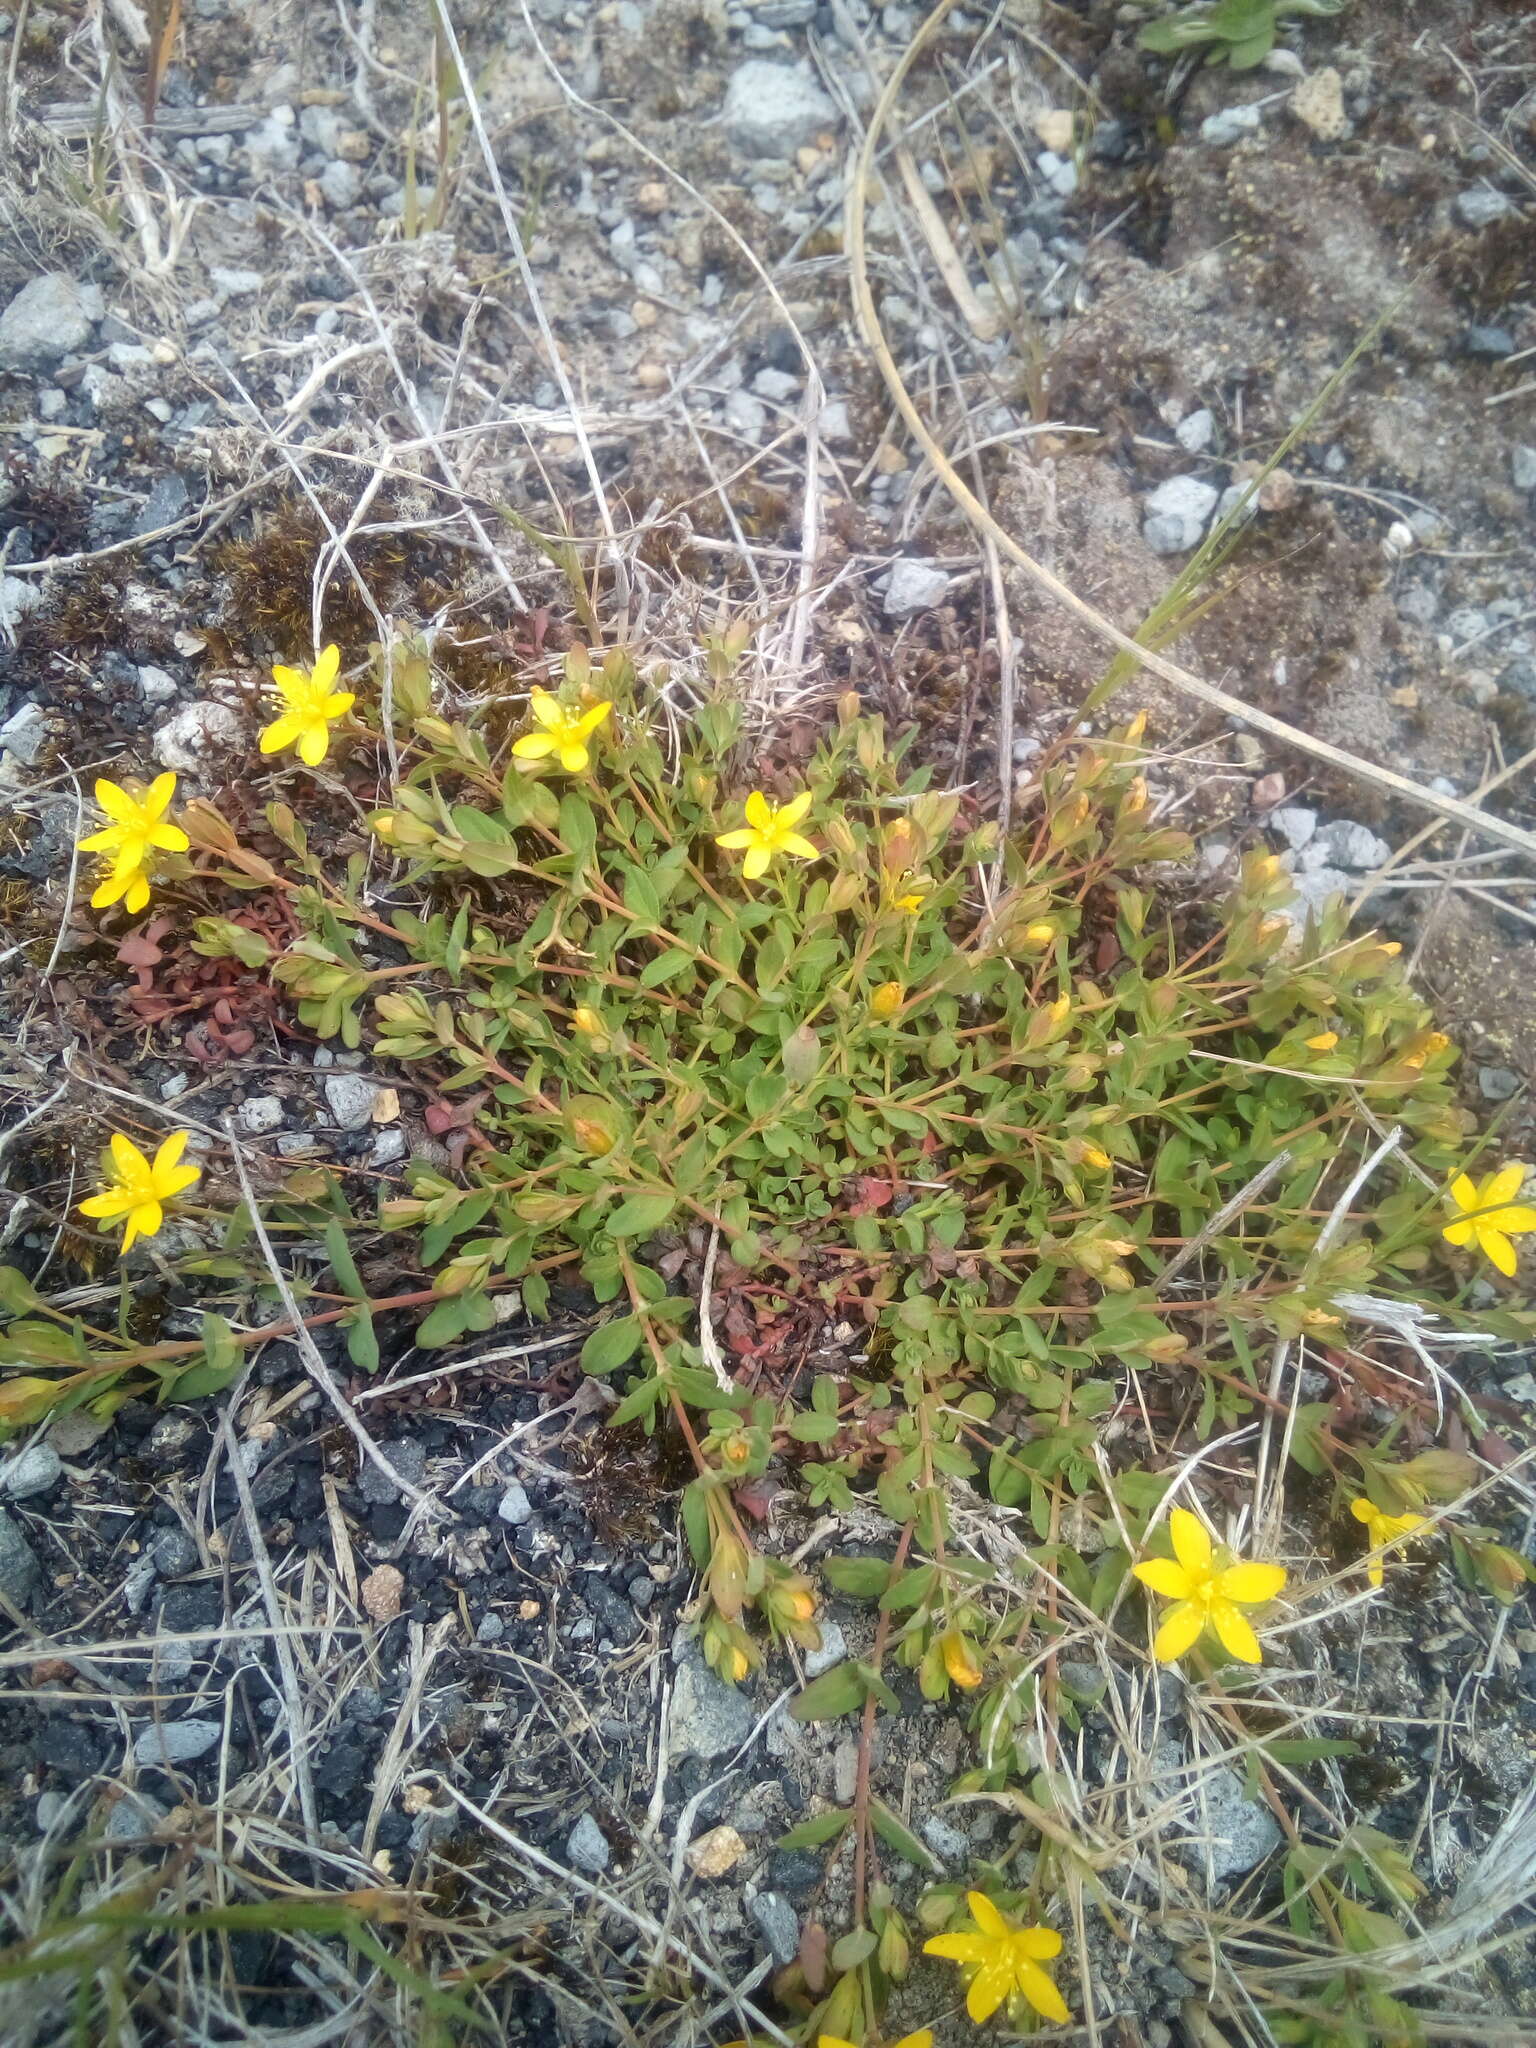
(746, 415)
(199, 730)
(25, 734)
(1295, 825)
(389, 1147)
(1194, 431)
(382, 1592)
(1344, 844)
(50, 1810)
(177, 1742)
(713, 1854)
(1314, 889)
(834, 422)
(236, 284)
(172, 1552)
(1522, 467)
(1241, 1832)
(946, 1841)
(131, 1816)
(1498, 1084)
(515, 1506)
(1481, 207)
(779, 14)
(914, 586)
(341, 185)
(167, 502)
(1318, 103)
(158, 687)
(1222, 130)
(74, 1434)
(586, 1847)
(834, 1648)
(776, 1922)
(771, 110)
(20, 1573)
(1054, 128)
(408, 1458)
(491, 1629)
(708, 1718)
(49, 318)
(1488, 343)
(259, 1114)
(777, 385)
(350, 1099)
(33, 1470)
(1183, 497)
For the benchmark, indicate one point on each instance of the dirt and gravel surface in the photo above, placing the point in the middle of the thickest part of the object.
(309, 358)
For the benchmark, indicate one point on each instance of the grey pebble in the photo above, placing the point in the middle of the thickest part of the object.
(515, 1506)
(1489, 343)
(167, 501)
(1522, 466)
(200, 729)
(1194, 431)
(50, 1810)
(177, 1742)
(945, 1840)
(1229, 126)
(914, 586)
(1480, 207)
(158, 687)
(236, 284)
(409, 1459)
(350, 1099)
(785, 13)
(587, 1848)
(491, 1629)
(390, 1146)
(260, 1114)
(341, 185)
(834, 1648)
(1344, 844)
(777, 385)
(33, 1470)
(776, 1922)
(25, 734)
(1498, 1084)
(771, 110)
(708, 1718)
(135, 1814)
(49, 318)
(1295, 825)
(1242, 1833)
(1418, 602)
(20, 1573)
(173, 1553)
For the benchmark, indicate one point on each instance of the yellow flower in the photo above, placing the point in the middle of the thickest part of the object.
(138, 826)
(1006, 1960)
(589, 1025)
(769, 831)
(1039, 934)
(1095, 1155)
(564, 733)
(886, 1000)
(1206, 1595)
(311, 705)
(960, 1659)
(1490, 1216)
(1381, 1528)
(923, 2038)
(1325, 1041)
(913, 896)
(137, 1188)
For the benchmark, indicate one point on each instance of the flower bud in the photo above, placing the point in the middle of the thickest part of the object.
(1038, 934)
(1325, 1041)
(589, 1025)
(887, 999)
(960, 1659)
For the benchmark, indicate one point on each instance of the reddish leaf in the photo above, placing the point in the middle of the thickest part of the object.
(1492, 1447)
(1106, 953)
(813, 1957)
(757, 1496)
(442, 1117)
(870, 1194)
(138, 949)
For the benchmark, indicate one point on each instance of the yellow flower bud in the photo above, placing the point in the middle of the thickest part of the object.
(737, 1665)
(1325, 1041)
(589, 1024)
(887, 999)
(960, 1659)
(736, 1450)
(590, 1136)
(1391, 948)
(1039, 934)
(1094, 1156)
(1136, 729)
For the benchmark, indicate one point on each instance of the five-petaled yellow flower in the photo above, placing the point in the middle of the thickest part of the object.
(1006, 1960)
(1380, 1528)
(563, 733)
(1500, 1217)
(768, 832)
(137, 1188)
(138, 826)
(311, 705)
(1205, 1594)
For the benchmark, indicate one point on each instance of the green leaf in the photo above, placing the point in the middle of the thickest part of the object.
(665, 967)
(577, 828)
(18, 1297)
(449, 1319)
(821, 1827)
(900, 1837)
(835, 1692)
(865, 1578)
(362, 1339)
(814, 1429)
(611, 1345)
(218, 938)
(640, 896)
(855, 1947)
(638, 1215)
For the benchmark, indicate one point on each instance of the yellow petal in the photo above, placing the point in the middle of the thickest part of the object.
(1234, 1633)
(989, 1987)
(1191, 1540)
(289, 680)
(733, 842)
(126, 1156)
(1250, 1585)
(545, 708)
(116, 801)
(1165, 1577)
(314, 740)
(170, 837)
(1515, 1219)
(1363, 1511)
(282, 732)
(1498, 1248)
(1374, 1572)
(802, 849)
(756, 863)
(985, 1914)
(107, 892)
(137, 893)
(1042, 1994)
(158, 796)
(326, 669)
(1039, 1943)
(533, 746)
(130, 1231)
(960, 1948)
(170, 1151)
(104, 841)
(1458, 1233)
(110, 1202)
(1180, 1631)
(1464, 1192)
(573, 756)
(591, 720)
(1503, 1186)
(759, 810)
(338, 704)
(923, 2038)
(792, 812)
(144, 1221)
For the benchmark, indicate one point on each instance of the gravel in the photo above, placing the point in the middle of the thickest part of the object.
(1489, 343)
(48, 319)
(350, 1099)
(834, 1648)
(708, 1718)
(771, 110)
(776, 1922)
(20, 1573)
(177, 1742)
(1344, 844)
(199, 730)
(914, 586)
(515, 1506)
(260, 1114)
(1498, 1084)
(586, 1847)
(1295, 825)
(34, 1470)
(1176, 513)
(1480, 207)
(1194, 432)
(409, 1459)
(1522, 467)
(1230, 126)
(1241, 1833)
